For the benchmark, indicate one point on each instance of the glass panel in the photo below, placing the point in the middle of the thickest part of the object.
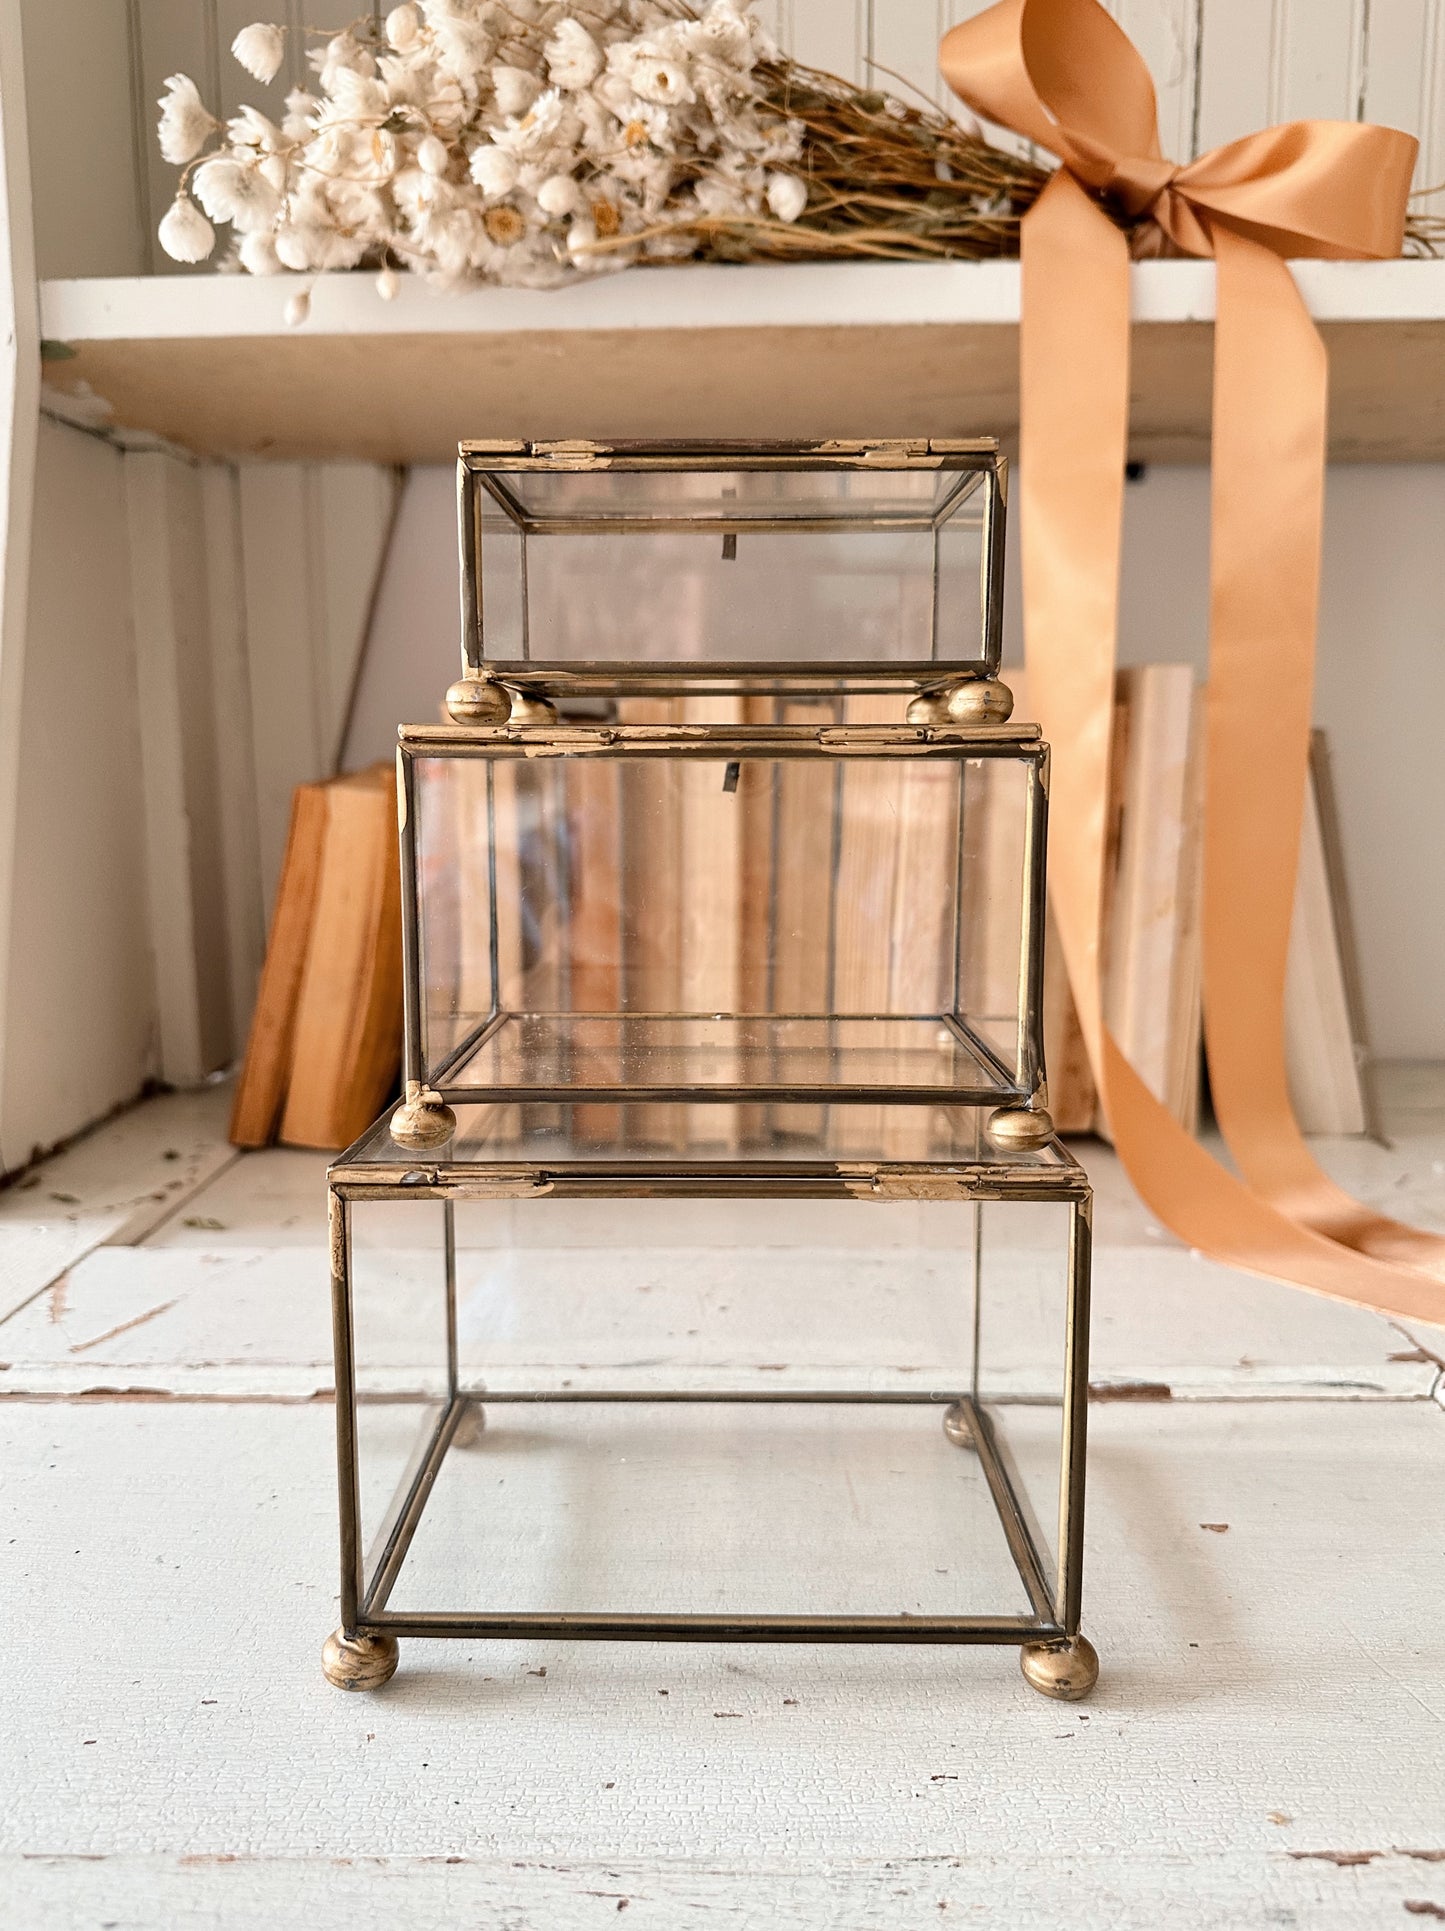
(619, 498)
(1023, 1326)
(760, 568)
(768, 1507)
(399, 1339)
(722, 1508)
(806, 924)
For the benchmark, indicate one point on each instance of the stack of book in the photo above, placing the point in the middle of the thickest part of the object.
(325, 1043)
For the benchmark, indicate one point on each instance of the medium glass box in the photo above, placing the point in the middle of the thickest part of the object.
(771, 915)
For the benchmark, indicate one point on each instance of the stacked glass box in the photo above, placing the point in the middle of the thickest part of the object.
(724, 895)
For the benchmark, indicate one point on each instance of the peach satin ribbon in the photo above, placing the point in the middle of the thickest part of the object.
(1061, 73)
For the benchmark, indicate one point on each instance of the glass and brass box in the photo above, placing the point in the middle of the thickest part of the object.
(719, 1276)
(727, 567)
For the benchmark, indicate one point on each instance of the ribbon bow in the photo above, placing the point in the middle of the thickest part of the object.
(1064, 75)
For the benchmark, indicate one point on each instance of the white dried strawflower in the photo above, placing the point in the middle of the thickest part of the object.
(581, 240)
(260, 50)
(301, 111)
(574, 59)
(403, 27)
(493, 169)
(433, 155)
(342, 54)
(184, 233)
(787, 196)
(250, 128)
(186, 124)
(238, 192)
(514, 90)
(663, 81)
(257, 255)
(559, 194)
(538, 129)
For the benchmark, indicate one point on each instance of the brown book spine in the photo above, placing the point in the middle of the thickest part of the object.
(261, 1089)
(347, 1043)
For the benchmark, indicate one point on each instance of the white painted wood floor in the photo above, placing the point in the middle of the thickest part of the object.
(1266, 1745)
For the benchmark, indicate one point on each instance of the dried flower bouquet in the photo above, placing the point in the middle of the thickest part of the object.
(523, 142)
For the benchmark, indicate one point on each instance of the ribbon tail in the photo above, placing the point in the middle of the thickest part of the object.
(1074, 386)
(1270, 404)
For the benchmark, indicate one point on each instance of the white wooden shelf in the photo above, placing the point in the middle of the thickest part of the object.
(209, 362)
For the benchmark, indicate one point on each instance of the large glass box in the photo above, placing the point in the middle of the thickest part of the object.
(585, 1390)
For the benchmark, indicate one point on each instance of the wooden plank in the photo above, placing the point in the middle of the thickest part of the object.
(806, 350)
(1209, 1892)
(114, 1183)
(1211, 1641)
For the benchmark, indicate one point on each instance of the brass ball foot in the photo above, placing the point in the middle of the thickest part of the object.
(958, 1427)
(471, 1426)
(422, 1121)
(1019, 1129)
(478, 700)
(982, 700)
(358, 1662)
(530, 708)
(1067, 1671)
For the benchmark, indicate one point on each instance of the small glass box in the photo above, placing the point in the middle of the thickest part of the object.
(619, 567)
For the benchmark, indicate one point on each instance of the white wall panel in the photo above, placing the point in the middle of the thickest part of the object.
(245, 911)
(87, 157)
(170, 608)
(831, 34)
(1166, 32)
(312, 539)
(80, 1019)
